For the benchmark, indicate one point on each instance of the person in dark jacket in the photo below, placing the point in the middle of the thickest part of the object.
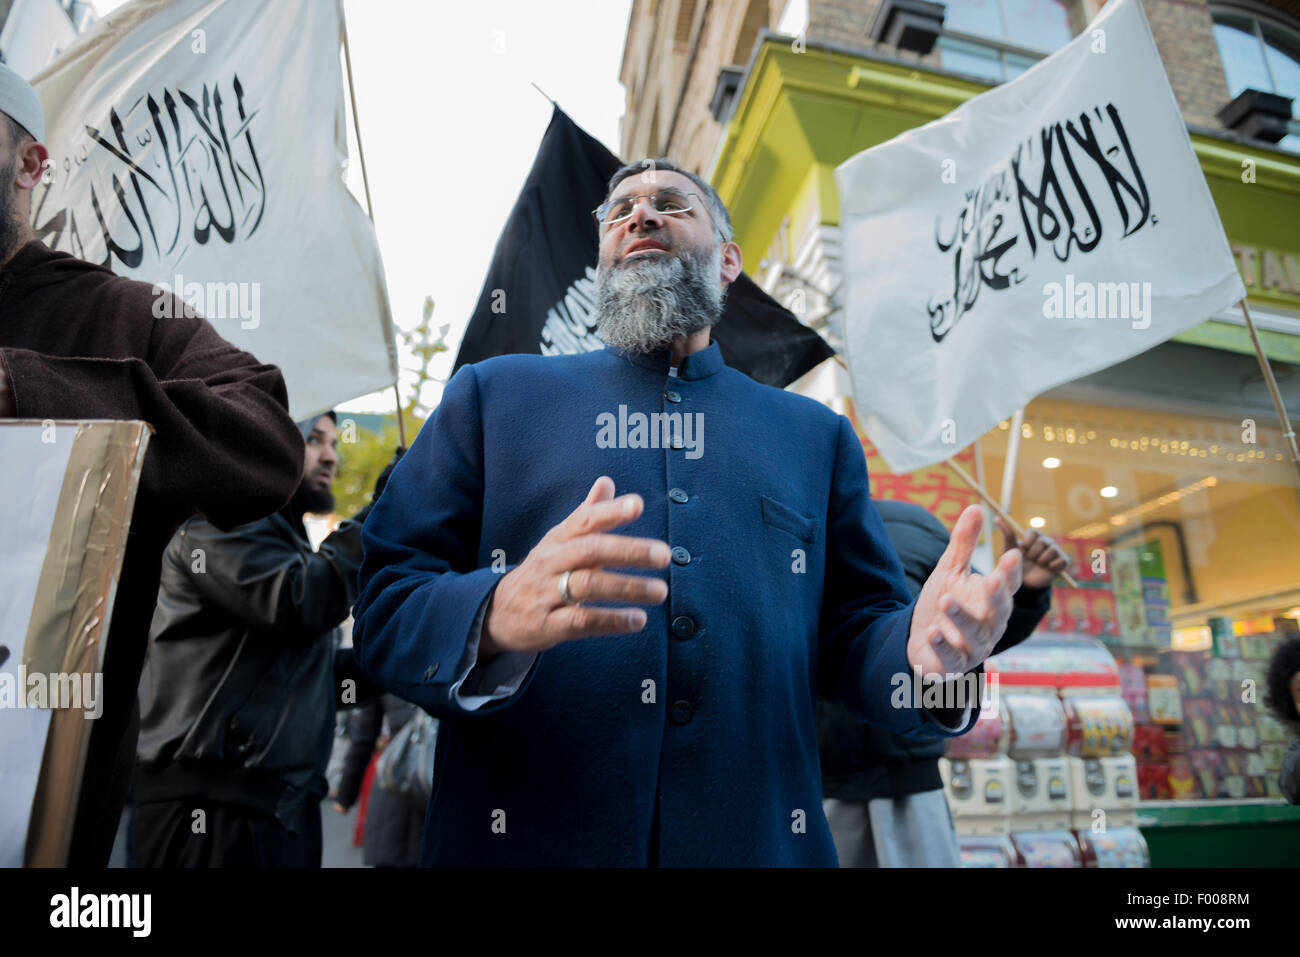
(394, 822)
(883, 796)
(1284, 700)
(240, 685)
(77, 342)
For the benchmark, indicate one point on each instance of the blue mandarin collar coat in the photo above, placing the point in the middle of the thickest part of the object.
(694, 741)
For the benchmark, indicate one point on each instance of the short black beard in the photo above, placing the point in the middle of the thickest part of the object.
(313, 501)
(644, 304)
(10, 226)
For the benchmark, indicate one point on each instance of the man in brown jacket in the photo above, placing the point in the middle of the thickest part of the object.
(77, 342)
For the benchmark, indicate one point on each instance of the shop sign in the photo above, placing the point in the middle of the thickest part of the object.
(1267, 270)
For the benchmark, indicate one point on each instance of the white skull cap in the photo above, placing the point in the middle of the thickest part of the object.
(19, 100)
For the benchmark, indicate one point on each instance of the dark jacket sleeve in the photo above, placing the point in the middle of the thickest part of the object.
(1028, 607)
(421, 587)
(363, 731)
(1289, 779)
(223, 442)
(352, 686)
(867, 610)
(253, 574)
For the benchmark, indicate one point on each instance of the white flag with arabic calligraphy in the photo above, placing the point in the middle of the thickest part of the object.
(200, 145)
(1041, 231)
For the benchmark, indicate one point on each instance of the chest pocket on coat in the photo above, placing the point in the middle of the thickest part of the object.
(789, 520)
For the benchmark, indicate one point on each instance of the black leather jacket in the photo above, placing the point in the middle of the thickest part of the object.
(238, 694)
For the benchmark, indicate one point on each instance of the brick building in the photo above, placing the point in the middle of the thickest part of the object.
(683, 58)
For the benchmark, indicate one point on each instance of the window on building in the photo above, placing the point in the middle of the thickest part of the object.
(1261, 54)
(1000, 39)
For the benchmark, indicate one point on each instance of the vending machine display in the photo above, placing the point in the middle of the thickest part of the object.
(1114, 847)
(1050, 848)
(987, 739)
(1040, 798)
(1103, 772)
(993, 850)
(978, 790)
(1066, 734)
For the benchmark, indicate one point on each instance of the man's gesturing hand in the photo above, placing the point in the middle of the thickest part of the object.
(959, 615)
(527, 612)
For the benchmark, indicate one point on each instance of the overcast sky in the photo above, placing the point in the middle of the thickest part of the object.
(451, 122)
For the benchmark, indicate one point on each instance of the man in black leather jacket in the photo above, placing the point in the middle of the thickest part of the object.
(875, 779)
(239, 691)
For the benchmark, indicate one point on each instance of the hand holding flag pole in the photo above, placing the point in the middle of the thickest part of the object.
(997, 510)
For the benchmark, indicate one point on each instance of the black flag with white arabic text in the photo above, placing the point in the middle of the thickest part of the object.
(539, 294)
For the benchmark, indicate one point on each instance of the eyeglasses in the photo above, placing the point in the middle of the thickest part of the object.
(666, 202)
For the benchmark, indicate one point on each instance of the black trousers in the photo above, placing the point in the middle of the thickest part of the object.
(164, 835)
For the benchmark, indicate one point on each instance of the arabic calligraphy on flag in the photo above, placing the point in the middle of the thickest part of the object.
(200, 145)
(1043, 230)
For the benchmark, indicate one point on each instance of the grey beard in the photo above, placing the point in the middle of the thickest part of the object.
(644, 304)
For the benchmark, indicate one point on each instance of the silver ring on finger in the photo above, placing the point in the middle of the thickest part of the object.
(567, 598)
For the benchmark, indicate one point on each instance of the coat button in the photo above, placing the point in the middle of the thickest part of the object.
(672, 396)
(683, 627)
(678, 496)
(430, 671)
(681, 556)
(680, 712)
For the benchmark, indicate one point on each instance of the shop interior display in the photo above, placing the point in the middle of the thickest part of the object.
(1109, 705)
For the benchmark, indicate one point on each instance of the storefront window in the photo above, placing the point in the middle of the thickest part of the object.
(1183, 529)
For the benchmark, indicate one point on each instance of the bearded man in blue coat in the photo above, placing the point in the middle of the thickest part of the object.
(630, 679)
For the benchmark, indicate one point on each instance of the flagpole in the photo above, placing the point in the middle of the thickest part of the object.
(365, 182)
(1288, 431)
(988, 500)
(982, 479)
(1012, 457)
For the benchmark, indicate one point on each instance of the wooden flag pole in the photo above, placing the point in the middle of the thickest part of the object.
(997, 509)
(1013, 457)
(370, 209)
(1288, 431)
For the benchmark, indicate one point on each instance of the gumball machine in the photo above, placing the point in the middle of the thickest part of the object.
(1114, 847)
(1052, 848)
(1040, 797)
(977, 775)
(1103, 772)
(987, 850)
